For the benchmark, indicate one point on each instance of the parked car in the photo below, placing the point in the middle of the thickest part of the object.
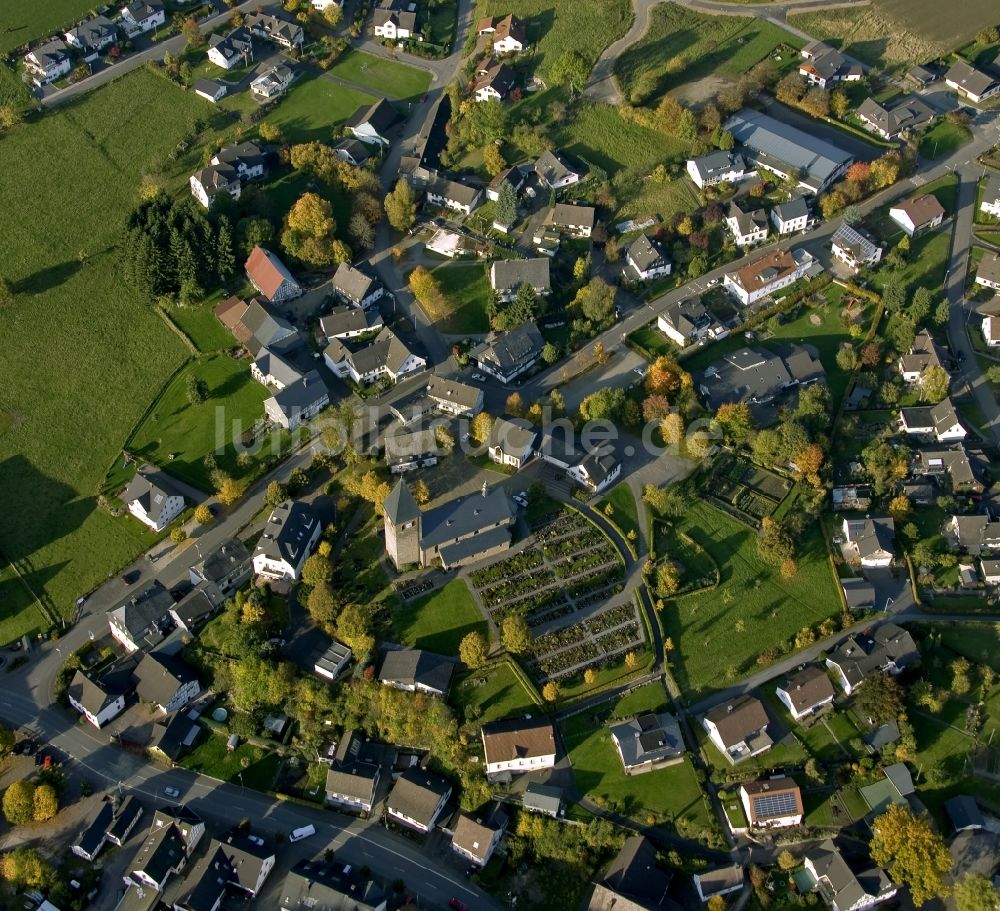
(639, 371)
(131, 577)
(172, 792)
(478, 376)
(458, 905)
(301, 832)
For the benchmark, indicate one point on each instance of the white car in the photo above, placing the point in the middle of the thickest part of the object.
(302, 832)
(478, 376)
(713, 282)
(172, 792)
(639, 371)
(521, 500)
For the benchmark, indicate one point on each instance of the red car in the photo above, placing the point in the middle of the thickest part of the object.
(458, 905)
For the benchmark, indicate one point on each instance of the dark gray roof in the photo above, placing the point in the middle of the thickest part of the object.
(140, 613)
(343, 320)
(162, 850)
(900, 777)
(276, 27)
(171, 737)
(600, 462)
(454, 190)
(720, 162)
(464, 516)
(475, 546)
(93, 31)
(266, 329)
(206, 882)
(195, 607)
(858, 243)
(757, 375)
(304, 393)
(353, 283)
(93, 836)
(687, 316)
(417, 793)
(399, 506)
(230, 555)
(411, 666)
(645, 254)
(401, 18)
(648, 738)
(989, 267)
(552, 167)
(381, 116)
(512, 349)
(858, 592)
(143, 9)
(89, 693)
(542, 797)
(747, 222)
(839, 884)
(50, 53)
(208, 86)
(248, 154)
(354, 779)
(151, 487)
(448, 390)
(246, 858)
(386, 350)
(794, 208)
(991, 193)
(271, 364)
(510, 274)
(871, 535)
(634, 872)
(314, 885)
(403, 445)
(513, 436)
(969, 78)
(127, 815)
(862, 655)
(234, 44)
(159, 676)
(964, 812)
(571, 215)
(289, 528)
(908, 113)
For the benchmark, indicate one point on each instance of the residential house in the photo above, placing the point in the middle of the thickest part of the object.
(894, 787)
(852, 496)
(372, 124)
(273, 370)
(971, 83)
(269, 275)
(353, 151)
(286, 33)
(476, 837)
(48, 62)
(416, 671)
(260, 328)
(512, 442)
(990, 203)
(351, 785)
(806, 692)
(964, 813)
(166, 850)
(542, 798)
(961, 468)
(839, 886)
(198, 605)
(977, 534)
(990, 570)
(747, 228)
(508, 275)
(738, 728)
(768, 274)
(513, 176)
(408, 451)
(290, 533)
(782, 149)
(599, 468)
(923, 353)
(173, 735)
(152, 498)
(92, 36)
(888, 648)
(869, 540)
(344, 321)
(210, 90)
(689, 320)
(905, 116)
(331, 886)
(140, 16)
(823, 65)
(567, 218)
(141, 620)
(508, 33)
(721, 881)
(94, 837)
(645, 261)
(460, 531)
(789, 217)
(772, 804)
(991, 331)
(859, 594)
(634, 880)
(716, 167)
(940, 421)
(452, 194)
(232, 50)
(453, 397)
(493, 82)
(386, 357)
(298, 402)
(515, 745)
(921, 76)
(165, 682)
(98, 700)
(236, 862)
(274, 82)
(417, 799)
(555, 172)
(393, 20)
(357, 287)
(855, 248)
(213, 181)
(649, 741)
(988, 271)
(336, 657)
(918, 215)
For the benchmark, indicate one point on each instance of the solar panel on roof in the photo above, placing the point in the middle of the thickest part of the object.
(767, 806)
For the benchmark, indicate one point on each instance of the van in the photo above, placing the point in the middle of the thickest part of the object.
(301, 832)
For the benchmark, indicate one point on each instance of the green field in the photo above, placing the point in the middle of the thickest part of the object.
(201, 326)
(490, 694)
(313, 109)
(439, 621)
(12, 90)
(585, 26)
(944, 138)
(682, 45)
(468, 289)
(394, 80)
(926, 263)
(622, 502)
(22, 21)
(19, 613)
(90, 354)
(212, 758)
(671, 795)
(719, 633)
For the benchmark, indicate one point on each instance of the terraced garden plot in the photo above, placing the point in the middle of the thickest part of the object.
(747, 492)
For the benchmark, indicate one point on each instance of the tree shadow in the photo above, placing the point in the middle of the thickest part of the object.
(48, 278)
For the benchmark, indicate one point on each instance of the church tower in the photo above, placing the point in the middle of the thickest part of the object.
(402, 526)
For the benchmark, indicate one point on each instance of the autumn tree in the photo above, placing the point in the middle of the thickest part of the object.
(228, 490)
(934, 382)
(310, 231)
(276, 493)
(333, 15)
(515, 405)
(787, 861)
(473, 649)
(590, 676)
(550, 692)
(880, 698)
(24, 868)
(514, 634)
(571, 69)
(7, 740)
(912, 852)
(809, 462)
(46, 802)
(655, 407)
(736, 422)
(481, 427)
(774, 542)
(18, 803)
(668, 579)
(493, 160)
(322, 605)
(192, 32)
(400, 207)
(899, 508)
(631, 660)
(666, 377)
(203, 514)
(975, 892)
(426, 289)
(354, 629)
(672, 429)
(421, 492)
(596, 301)
(316, 570)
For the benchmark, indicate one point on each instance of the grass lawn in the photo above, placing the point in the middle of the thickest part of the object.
(19, 612)
(439, 621)
(313, 109)
(926, 265)
(491, 694)
(201, 326)
(394, 80)
(622, 502)
(212, 758)
(22, 21)
(944, 138)
(682, 46)
(79, 379)
(654, 341)
(663, 199)
(12, 90)
(467, 288)
(752, 609)
(178, 435)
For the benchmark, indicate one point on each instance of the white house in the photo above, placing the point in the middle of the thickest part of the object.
(940, 421)
(210, 90)
(789, 217)
(97, 702)
(290, 534)
(141, 16)
(738, 728)
(971, 83)
(514, 746)
(721, 881)
(352, 785)
(49, 62)
(372, 124)
(350, 322)
(571, 219)
(452, 194)
(855, 248)
(988, 271)
(507, 276)
(689, 320)
(417, 799)
(385, 357)
(510, 354)
(356, 286)
(554, 172)
(476, 839)
(166, 682)
(269, 275)
(806, 692)
(838, 884)
(213, 181)
(770, 273)
(274, 82)
(232, 50)
(747, 228)
(415, 670)
(823, 65)
(92, 36)
(991, 331)
(298, 402)
(869, 540)
(333, 660)
(991, 196)
(772, 804)
(990, 570)
(716, 167)
(508, 33)
(598, 469)
(493, 83)
(917, 215)
(512, 442)
(152, 498)
(286, 33)
(394, 22)
(141, 620)
(645, 260)
(452, 397)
